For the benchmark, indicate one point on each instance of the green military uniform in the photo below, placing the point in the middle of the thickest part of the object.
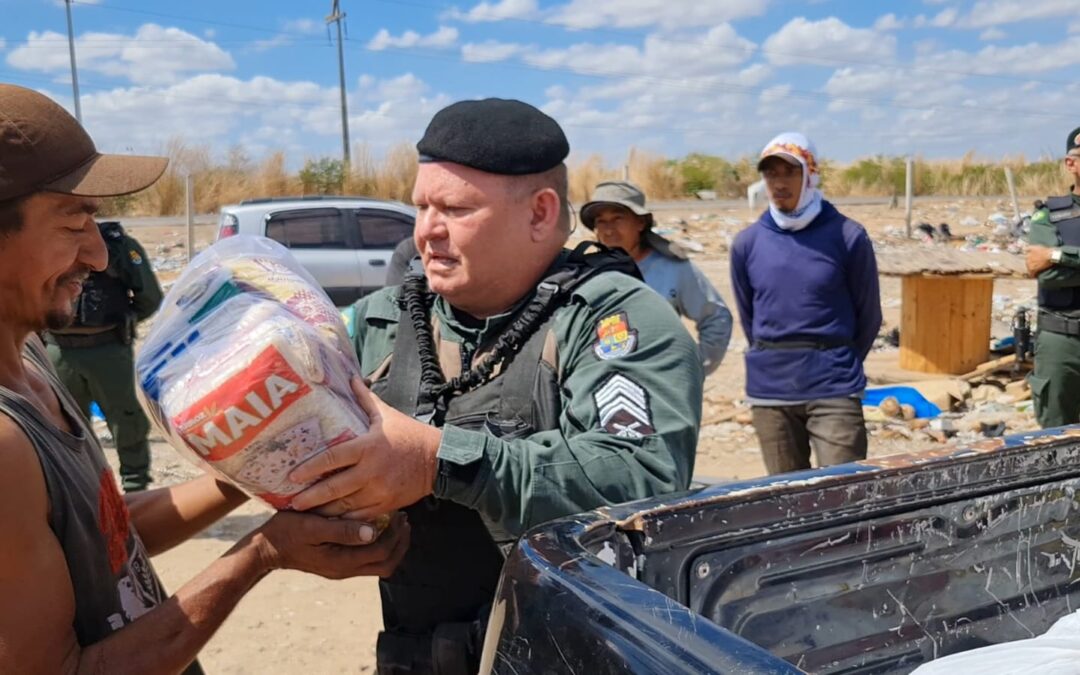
(95, 358)
(1055, 382)
(617, 379)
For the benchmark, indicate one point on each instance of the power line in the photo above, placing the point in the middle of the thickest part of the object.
(720, 87)
(620, 33)
(747, 51)
(179, 17)
(722, 132)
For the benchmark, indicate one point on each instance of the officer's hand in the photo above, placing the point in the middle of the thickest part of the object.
(390, 467)
(1038, 259)
(331, 547)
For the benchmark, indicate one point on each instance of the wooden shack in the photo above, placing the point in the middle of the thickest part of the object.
(947, 305)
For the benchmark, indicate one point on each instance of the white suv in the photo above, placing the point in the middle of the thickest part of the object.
(345, 242)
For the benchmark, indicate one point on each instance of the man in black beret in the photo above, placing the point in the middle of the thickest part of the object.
(513, 382)
(1054, 259)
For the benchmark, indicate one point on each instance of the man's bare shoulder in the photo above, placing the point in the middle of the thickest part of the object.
(22, 483)
(33, 570)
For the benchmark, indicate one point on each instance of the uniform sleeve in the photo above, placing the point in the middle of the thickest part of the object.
(862, 278)
(627, 429)
(1065, 274)
(372, 325)
(146, 294)
(702, 304)
(740, 285)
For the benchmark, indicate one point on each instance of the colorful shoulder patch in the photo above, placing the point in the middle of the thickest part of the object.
(136, 259)
(614, 337)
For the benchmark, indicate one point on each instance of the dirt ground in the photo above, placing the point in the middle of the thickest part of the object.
(295, 623)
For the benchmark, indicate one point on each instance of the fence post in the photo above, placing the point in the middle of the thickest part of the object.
(189, 190)
(909, 183)
(1011, 180)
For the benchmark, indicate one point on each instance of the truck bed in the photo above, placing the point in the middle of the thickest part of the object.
(871, 567)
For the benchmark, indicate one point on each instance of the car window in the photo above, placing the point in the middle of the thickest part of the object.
(310, 228)
(383, 229)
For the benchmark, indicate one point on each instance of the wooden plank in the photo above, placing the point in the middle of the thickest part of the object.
(982, 311)
(910, 357)
(989, 367)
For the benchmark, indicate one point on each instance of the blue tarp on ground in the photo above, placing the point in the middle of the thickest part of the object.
(908, 395)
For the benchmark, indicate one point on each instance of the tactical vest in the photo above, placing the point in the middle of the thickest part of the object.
(436, 603)
(1068, 228)
(105, 299)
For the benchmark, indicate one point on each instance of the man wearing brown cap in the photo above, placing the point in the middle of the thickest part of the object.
(1054, 259)
(517, 381)
(79, 593)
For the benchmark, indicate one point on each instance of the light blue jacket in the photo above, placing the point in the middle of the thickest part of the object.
(683, 285)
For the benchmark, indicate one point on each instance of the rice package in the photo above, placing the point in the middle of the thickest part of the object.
(247, 367)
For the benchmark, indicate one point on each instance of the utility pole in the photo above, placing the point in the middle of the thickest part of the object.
(335, 17)
(74, 70)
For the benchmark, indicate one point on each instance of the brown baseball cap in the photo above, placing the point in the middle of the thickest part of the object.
(44, 148)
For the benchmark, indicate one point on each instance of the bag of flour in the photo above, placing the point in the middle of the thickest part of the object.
(247, 368)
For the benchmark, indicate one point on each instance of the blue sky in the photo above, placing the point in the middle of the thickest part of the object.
(931, 77)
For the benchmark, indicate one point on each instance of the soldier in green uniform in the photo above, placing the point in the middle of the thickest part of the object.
(94, 356)
(1054, 258)
(514, 382)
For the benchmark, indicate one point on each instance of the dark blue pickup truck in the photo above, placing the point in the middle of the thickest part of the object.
(872, 567)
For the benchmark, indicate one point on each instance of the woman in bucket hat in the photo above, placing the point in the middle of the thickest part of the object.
(617, 213)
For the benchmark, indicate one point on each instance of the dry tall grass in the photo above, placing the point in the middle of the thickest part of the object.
(238, 177)
(656, 175)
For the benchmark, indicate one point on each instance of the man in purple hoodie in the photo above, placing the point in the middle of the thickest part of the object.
(806, 286)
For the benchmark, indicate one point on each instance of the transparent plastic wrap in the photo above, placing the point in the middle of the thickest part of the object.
(247, 367)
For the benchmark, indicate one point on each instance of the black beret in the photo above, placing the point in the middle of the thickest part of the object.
(496, 136)
(1073, 142)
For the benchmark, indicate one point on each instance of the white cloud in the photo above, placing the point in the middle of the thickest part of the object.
(889, 22)
(1074, 28)
(583, 14)
(945, 18)
(586, 14)
(1030, 59)
(991, 34)
(997, 12)
(262, 114)
(801, 41)
(775, 94)
(289, 31)
(668, 57)
(153, 55)
(3, 44)
(863, 82)
(279, 40)
(444, 38)
(305, 26)
(486, 52)
(497, 11)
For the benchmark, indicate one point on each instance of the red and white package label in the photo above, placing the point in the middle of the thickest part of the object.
(228, 419)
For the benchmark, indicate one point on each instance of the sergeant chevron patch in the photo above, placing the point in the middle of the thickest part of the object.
(623, 407)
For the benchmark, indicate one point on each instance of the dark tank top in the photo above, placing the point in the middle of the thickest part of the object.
(111, 575)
